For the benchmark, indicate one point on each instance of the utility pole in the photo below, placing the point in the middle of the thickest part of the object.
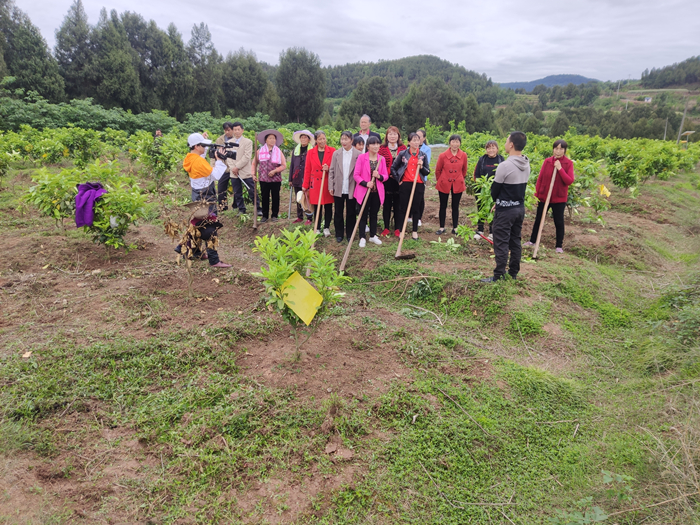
(618, 88)
(666, 128)
(680, 130)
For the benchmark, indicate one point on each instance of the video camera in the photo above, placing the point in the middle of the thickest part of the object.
(228, 147)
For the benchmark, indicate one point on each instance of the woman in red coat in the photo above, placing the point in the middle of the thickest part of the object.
(560, 192)
(318, 160)
(450, 173)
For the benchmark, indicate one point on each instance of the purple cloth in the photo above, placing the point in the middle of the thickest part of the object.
(88, 193)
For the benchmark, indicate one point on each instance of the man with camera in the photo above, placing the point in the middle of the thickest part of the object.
(238, 170)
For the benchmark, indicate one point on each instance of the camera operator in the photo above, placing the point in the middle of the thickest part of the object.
(202, 180)
(238, 170)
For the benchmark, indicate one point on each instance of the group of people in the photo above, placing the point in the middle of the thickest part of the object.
(367, 173)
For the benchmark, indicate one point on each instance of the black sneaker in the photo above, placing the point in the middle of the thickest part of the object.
(338, 240)
(262, 219)
(489, 280)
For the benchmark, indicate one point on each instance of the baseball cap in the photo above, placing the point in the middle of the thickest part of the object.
(197, 138)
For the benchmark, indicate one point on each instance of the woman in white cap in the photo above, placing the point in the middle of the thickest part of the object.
(270, 163)
(297, 164)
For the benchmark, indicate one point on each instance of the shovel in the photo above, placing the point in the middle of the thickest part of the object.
(255, 186)
(544, 215)
(320, 198)
(405, 222)
(354, 231)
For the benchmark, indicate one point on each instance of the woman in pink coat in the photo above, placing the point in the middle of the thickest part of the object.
(370, 175)
(560, 191)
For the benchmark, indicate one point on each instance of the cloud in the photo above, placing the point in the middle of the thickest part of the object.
(506, 39)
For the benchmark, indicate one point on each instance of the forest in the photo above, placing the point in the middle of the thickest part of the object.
(126, 73)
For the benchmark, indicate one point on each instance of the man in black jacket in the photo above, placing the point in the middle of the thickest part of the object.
(365, 133)
(508, 193)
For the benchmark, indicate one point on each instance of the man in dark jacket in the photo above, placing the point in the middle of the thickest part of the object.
(508, 193)
(365, 133)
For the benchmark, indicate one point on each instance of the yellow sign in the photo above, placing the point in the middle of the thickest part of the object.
(301, 297)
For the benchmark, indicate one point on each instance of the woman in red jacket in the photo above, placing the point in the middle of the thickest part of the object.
(560, 191)
(318, 160)
(391, 147)
(450, 172)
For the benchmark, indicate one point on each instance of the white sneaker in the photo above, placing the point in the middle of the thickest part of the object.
(375, 240)
(491, 237)
(366, 229)
(317, 232)
(420, 222)
(410, 219)
(363, 243)
(326, 232)
(477, 236)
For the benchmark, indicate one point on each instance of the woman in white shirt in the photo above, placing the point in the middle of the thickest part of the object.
(342, 185)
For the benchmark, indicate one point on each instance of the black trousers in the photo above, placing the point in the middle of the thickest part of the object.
(506, 228)
(558, 214)
(268, 189)
(300, 210)
(347, 225)
(325, 217)
(456, 197)
(371, 212)
(392, 202)
(237, 187)
(414, 212)
(479, 224)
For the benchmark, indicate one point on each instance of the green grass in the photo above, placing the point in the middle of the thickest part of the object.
(475, 420)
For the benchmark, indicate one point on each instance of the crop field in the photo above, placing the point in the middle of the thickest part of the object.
(129, 395)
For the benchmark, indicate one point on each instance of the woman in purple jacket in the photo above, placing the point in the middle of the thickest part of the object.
(370, 175)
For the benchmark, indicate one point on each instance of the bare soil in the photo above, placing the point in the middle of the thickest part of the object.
(56, 282)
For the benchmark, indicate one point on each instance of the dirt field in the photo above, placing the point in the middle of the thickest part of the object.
(59, 290)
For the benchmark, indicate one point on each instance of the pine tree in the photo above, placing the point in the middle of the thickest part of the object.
(301, 84)
(370, 97)
(244, 83)
(178, 98)
(27, 56)
(73, 52)
(208, 72)
(432, 98)
(114, 70)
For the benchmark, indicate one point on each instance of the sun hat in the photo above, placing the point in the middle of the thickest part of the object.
(197, 138)
(199, 209)
(297, 137)
(278, 136)
(303, 201)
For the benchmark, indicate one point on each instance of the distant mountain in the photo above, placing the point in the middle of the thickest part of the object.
(550, 81)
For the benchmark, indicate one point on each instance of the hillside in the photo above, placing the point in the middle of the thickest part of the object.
(549, 81)
(675, 75)
(402, 73)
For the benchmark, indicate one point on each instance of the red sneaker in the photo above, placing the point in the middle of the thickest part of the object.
(204, 256)
(221, 265)
(386, 232)
(397, 233)
(308, 222)
(297, 221)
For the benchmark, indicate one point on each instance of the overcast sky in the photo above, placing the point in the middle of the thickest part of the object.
(506, 39)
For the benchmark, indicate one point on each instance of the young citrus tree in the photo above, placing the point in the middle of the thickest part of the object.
(293, 252)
